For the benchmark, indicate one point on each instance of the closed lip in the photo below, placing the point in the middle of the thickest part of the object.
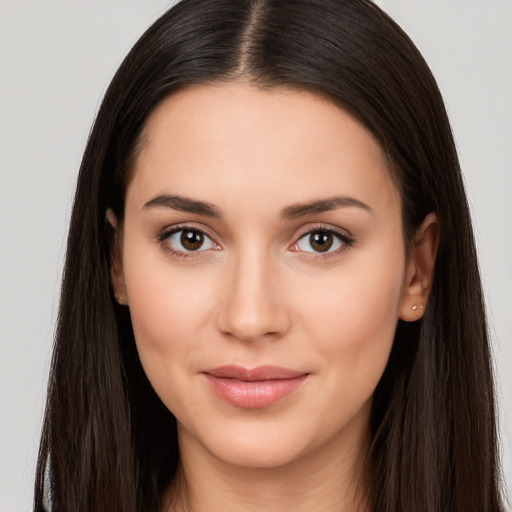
(254, 388)
(257, 374)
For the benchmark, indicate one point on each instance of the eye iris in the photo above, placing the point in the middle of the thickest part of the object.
(191, 240)
(321, 241)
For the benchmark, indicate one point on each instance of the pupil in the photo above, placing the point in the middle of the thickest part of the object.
(191, 240)
(321, 241)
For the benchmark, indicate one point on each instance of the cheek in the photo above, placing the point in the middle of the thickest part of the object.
(353, 316)
(169, 309)
(156, 303)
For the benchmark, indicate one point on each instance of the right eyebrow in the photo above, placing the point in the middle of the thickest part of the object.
(184, 204)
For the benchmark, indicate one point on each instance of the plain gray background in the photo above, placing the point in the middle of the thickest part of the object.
(56, 59)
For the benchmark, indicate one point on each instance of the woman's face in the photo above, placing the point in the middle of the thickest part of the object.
(263, 262)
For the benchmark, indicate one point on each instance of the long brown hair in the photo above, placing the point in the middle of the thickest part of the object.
(108, 443)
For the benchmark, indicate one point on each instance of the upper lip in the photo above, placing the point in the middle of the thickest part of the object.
(258, 373)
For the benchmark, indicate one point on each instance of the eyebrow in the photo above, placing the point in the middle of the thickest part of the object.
(322, 205)
(294, 211)
(184, 204)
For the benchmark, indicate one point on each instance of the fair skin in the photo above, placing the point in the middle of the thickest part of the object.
(264, 279)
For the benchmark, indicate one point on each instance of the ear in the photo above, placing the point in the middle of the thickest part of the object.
(116, 260)
(420, 269)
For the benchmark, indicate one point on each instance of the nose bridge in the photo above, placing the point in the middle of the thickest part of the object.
(252, 306)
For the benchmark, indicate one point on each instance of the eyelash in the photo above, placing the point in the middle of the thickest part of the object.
(344, 239)
(161, 239)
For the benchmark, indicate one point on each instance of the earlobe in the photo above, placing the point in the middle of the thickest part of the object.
(116, 263)
(111, 218)
(420, 269)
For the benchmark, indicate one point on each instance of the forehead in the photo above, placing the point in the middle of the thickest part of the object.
(234, 139)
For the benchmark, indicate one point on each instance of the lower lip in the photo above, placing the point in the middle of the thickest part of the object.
(254, 395)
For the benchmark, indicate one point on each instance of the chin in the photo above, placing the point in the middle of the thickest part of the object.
(256, 445)
(244, 454)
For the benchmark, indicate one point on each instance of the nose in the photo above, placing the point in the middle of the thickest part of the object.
(252, 303)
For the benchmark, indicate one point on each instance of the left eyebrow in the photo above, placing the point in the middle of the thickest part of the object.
(295, 211)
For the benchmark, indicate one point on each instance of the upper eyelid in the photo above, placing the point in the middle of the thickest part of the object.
(175, 228)
(344, 233)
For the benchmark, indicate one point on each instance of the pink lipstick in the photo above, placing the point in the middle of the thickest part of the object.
(253, 388)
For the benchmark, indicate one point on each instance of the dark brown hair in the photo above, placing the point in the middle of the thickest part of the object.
(108, 443)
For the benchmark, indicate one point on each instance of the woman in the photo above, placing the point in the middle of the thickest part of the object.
(271, 297)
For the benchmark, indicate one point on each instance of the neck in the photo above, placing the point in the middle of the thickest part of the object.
(316, 481)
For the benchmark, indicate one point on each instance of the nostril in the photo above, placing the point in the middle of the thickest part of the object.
(248, 321)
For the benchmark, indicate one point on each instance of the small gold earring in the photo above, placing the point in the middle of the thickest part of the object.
(414, 308)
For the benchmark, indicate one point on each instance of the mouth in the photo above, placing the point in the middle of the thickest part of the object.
(254, 388)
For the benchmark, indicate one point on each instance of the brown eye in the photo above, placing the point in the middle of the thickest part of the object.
(191, 240)
(187, 241)
(321, 241)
